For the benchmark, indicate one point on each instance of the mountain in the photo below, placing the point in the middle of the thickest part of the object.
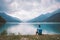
(2, 21)
(53, 18)
(9, 18)
(43, 17)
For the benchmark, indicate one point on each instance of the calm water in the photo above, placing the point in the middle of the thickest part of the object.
(30, 28)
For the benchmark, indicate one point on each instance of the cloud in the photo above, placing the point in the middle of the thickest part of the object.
(27, 4)
(3, 5)
(57, 0)
(34, 7)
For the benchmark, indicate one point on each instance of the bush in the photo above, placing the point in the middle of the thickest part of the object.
(4, 32)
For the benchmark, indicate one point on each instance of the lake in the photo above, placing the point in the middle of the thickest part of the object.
(30, 28)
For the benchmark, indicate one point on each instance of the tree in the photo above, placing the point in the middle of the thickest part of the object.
(2, 21)
(4, 32)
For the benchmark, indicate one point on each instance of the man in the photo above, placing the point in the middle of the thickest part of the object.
(39, 31)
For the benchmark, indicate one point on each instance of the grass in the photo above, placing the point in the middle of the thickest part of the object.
(30, 37)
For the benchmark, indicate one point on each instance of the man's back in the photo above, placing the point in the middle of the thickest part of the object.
(39, 31)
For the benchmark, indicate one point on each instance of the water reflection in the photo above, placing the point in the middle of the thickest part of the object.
(30, 28)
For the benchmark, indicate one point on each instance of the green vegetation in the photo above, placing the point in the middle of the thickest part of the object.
(3, 33)
(2, 21)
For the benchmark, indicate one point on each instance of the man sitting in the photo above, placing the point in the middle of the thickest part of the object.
(39, 31)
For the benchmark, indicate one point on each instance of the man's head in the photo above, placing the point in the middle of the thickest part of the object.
(39, 26)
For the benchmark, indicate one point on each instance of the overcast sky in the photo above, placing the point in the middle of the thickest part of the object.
(28, 9)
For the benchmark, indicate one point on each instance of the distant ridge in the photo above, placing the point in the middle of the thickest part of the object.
(9, 18)
(53, 18)
(45, 17)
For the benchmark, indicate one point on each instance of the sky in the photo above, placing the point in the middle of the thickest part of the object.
(28, 9)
